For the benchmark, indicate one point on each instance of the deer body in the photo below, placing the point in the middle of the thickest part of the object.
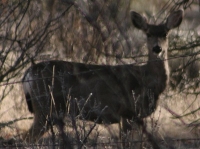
(54, 88)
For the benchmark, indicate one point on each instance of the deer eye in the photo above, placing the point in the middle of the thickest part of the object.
(164, 35)
(149, 35)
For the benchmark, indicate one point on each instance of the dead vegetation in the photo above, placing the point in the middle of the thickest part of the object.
(98, 32)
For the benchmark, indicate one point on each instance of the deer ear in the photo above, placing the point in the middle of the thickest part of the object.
(174, 19)
(138, 21)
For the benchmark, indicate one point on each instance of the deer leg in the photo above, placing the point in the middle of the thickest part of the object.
(38, 128)
(65, 138)
(149, 136)
(125, 129)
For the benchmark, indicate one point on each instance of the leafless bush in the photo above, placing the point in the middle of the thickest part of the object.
(92, 31)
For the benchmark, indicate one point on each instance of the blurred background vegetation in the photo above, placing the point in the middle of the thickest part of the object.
(94, 32)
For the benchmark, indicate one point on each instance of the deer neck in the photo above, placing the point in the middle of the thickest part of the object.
(158, 67)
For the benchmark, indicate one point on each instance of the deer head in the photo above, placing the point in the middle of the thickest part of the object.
(157, 41)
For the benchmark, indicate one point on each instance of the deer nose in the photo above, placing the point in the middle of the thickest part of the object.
(157, 49)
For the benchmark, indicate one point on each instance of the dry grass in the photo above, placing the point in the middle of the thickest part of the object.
(161, 124)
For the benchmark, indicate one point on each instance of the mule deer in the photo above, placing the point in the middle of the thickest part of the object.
(128, 91)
